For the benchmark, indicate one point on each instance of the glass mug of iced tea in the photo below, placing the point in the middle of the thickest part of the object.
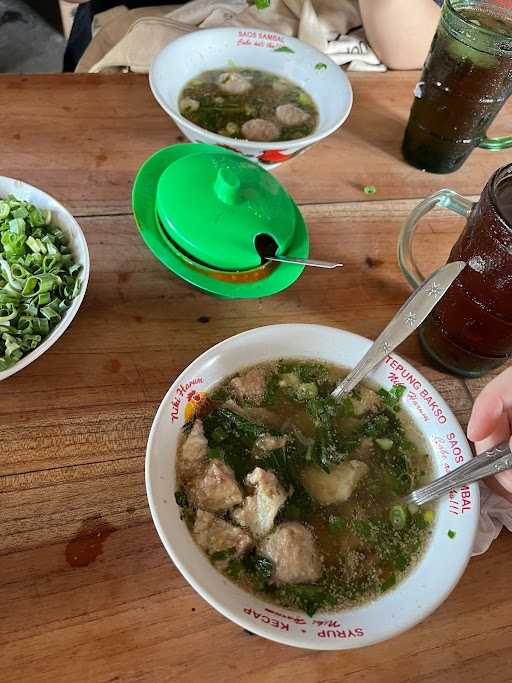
(469, 331)
(466, 79)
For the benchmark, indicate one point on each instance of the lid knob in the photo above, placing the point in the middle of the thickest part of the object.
(227, 186)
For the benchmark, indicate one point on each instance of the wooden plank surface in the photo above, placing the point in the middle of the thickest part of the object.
(73, 425)
(83, 137)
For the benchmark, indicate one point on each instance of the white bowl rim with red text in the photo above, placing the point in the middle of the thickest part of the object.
(220, 40)
(69, 225)
(422, 590)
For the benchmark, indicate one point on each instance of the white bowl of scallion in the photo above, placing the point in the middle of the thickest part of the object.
(44, 270)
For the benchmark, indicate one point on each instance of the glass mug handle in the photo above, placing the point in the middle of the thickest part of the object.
(495, 144)
(448, 199)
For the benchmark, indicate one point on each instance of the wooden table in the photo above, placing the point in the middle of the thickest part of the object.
(73, 425)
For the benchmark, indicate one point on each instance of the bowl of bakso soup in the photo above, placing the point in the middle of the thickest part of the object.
(283, 508)
(263, 94)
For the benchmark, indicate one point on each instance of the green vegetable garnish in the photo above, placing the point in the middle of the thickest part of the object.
(320, 66)
(181, 498)
(187, 426)
(336, 523)
(262, 4)
(307, 391)
(451, 534)
(216, 453)
(38, 278)
(398, 516)
(307, 597)
(219, 435)
(369, 189)
(392, 397)
(428, 516)
(385, 444)
(283, 49)
(225, 554)
(235, 569)
(388, 583)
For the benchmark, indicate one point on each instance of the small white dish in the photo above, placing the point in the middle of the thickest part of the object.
(427, 585)
(218, 48)
(62, 218)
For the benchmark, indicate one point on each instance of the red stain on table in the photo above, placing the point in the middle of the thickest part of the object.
(84, 548)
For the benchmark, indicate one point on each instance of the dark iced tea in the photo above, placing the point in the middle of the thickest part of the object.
(466, 79)
(470, 330)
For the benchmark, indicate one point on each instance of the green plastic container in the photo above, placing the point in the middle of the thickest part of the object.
(200, 209)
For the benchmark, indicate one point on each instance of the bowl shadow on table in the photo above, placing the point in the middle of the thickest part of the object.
(381, 128)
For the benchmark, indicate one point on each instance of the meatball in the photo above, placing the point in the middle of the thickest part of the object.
(251, 385)
(234, 83)
(213, 534)
(260, 130)
(217, 489)
(295, 559)
(290, 115)
(368, 400)
(194, 452)
(335, 486)
(259, 511)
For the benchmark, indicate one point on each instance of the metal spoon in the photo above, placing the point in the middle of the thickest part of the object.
(303, 261)
(408, 318)
(491, 461)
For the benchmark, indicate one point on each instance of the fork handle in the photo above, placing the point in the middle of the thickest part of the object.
(491, 461)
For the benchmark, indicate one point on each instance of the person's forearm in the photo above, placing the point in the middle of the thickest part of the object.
(400, 31)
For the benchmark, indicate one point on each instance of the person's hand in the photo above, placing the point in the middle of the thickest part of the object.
(491, 423)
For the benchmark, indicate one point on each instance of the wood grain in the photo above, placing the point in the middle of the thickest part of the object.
(83, 137)
(74, 424)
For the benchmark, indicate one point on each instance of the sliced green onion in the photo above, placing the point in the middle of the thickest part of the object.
(398, 516)
(428, 516)
(38, 277)
(385, 444)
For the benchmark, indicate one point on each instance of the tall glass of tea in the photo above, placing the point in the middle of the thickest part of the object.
(466, 79)
(469, 331)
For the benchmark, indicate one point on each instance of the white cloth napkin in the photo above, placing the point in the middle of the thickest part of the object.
(130, 39)
(495, 513)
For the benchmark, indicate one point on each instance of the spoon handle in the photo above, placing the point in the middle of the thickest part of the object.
(491, 461)
(304, 261)
(409, 317)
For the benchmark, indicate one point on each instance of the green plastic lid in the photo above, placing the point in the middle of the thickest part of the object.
(199, 209)
(213, 206)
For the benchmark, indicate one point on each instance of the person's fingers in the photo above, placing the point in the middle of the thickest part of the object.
(501, 483)
(490, 405)
(500, 432)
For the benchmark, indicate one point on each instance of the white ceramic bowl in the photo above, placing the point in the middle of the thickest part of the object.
(423, 589)
(217, 48)
(62, 218)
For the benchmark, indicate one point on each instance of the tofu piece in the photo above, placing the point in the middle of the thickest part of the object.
(213, 534)
(268, 443)
(259, 510)
(368, 401)
(335, 486)
(293, 552)
(216, 490)
(194, 453)
(251, 385)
